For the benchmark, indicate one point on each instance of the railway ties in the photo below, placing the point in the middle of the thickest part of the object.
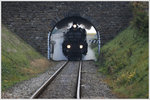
(64, 83)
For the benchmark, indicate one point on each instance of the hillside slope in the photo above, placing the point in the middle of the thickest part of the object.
(124, 61)
(19, 60)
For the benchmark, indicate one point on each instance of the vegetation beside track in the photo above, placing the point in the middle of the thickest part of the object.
(19, 60)
(124, 60)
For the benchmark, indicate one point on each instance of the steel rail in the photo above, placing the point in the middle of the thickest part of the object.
(43, 86)
(79, 81)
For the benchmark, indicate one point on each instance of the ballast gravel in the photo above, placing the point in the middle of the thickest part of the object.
(92, 86)
(64, 85)
(26, 88)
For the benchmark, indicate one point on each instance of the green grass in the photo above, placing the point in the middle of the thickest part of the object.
(19, 60)
(124, 61)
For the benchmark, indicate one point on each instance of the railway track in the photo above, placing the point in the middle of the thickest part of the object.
(55, 81)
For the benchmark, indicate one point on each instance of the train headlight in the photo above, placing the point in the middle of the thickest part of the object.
(74, 26)
(81, 46)
(68, 46)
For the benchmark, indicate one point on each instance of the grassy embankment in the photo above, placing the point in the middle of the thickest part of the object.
(124, 61)
(19, 60)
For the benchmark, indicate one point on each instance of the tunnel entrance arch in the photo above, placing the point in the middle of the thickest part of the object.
(61, 27)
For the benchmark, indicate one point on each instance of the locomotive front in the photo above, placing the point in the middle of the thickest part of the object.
(75, 44)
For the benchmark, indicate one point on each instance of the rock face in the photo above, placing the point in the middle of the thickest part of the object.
(33, 20)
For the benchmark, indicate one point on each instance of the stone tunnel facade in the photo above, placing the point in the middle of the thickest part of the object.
(33, 20)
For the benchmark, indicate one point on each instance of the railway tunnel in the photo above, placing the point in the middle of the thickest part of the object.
(56, 48)
(33, 20)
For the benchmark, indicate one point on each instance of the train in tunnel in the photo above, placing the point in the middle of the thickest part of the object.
(73, 38)
(75, 43)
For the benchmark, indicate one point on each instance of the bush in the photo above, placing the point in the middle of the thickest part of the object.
(140, 17)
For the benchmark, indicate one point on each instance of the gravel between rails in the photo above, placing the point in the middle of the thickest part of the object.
(91, 85)
(64, 85)
(26, 88)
